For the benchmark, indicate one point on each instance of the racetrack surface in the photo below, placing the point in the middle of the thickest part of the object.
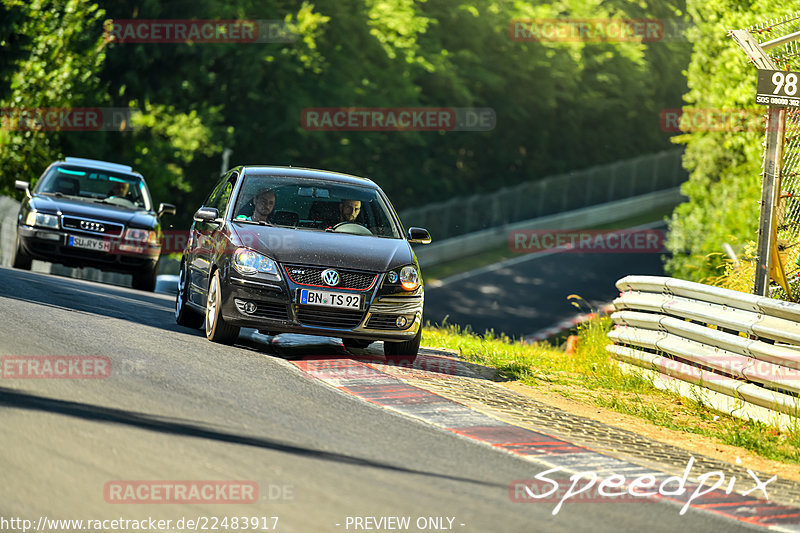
(177, 407)
(527, 294)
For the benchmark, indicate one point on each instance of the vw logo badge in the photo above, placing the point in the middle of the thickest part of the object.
(330, 277)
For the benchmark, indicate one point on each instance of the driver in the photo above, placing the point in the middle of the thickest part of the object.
(264, 205)
(120, 189)
(349, 210)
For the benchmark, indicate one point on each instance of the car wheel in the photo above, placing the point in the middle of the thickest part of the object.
(356, 343)
(217, 330)
(146, 279)
(185, 316)
(20, 259)
(405, 352)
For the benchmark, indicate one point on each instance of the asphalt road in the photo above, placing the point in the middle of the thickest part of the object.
(177, 407)
(527, 294)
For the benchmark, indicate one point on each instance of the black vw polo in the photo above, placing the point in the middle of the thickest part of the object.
(303, 251)
(85, 212)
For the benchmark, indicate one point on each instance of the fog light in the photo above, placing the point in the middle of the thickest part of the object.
(249, 308)
(392, 277)
(401, 321)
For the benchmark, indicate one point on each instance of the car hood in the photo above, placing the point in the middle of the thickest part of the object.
(324, 248)
(89, 209)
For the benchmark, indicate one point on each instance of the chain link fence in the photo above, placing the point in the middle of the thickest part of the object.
(550, 195)
(786, 56)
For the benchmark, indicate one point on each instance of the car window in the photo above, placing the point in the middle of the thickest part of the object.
(100, 185)
(209, 201)
(311, 204)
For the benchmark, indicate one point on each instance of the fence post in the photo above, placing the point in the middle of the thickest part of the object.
(773, 160)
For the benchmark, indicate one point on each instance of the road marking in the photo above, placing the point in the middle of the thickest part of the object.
(372, 385)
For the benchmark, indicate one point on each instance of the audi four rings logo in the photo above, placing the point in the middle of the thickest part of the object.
(330, 277)
(92, 226)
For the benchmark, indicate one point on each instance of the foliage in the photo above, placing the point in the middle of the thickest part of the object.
(559, 105)
(54, 61)
(724, 164)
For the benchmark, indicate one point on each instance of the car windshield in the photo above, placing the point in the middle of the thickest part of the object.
(102, 186)
(314, 205)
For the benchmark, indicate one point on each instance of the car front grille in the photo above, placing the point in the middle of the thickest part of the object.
(328, 317)
(349, 279)
(92, 226)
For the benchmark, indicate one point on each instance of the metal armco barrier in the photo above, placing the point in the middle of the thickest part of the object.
(737, 344)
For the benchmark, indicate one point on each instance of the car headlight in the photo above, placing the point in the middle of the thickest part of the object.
(248, 262)
(409, 278)
(141, 236)
(35, 218)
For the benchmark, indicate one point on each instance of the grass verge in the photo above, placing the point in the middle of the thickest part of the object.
(590, 376)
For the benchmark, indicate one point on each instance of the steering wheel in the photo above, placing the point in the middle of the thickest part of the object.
(351, 227)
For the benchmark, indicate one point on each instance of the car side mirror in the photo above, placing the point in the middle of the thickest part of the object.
(206, 214)
(166, 209)
(23, 186)
(419, 236)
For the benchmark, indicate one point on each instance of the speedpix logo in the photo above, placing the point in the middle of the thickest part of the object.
(587, 486)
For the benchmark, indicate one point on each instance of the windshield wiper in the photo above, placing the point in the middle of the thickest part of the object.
(259, 222)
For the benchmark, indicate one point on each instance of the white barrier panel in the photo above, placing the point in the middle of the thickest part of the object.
(741, 345)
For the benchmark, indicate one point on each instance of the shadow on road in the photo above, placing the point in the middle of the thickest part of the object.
(20, 400)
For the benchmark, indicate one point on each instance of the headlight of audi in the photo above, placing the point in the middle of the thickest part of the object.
(248, 262)
(141, 236)
(409, 278)
(35, 218)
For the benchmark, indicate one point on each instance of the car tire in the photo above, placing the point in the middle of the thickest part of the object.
(356, 343)
(145, 280)
(20, 259)
(402, 352)
(185, 316)
(217, 330)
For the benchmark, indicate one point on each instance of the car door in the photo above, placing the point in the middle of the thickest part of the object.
(205, 236)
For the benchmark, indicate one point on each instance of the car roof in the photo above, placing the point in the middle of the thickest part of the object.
(299, 172)
(100, 165)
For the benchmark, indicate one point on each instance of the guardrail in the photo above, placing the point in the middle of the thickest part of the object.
(550, 195)
(743, 346)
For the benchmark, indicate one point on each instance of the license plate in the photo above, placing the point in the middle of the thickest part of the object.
(90, 244)
(329, 299)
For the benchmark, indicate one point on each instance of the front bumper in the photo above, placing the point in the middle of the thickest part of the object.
(273, 309)
(53, 245)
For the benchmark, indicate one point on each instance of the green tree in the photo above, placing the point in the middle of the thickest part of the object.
(52, 53)
(725, 164)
